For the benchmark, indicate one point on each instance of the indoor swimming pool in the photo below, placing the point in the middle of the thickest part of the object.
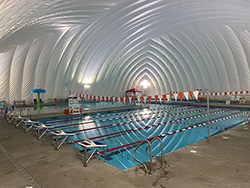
(175, 125)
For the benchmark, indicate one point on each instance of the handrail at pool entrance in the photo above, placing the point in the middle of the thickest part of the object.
(161, 148)
(147, 170)
(248, 117)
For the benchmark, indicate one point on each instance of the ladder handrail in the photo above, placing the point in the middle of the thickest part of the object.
(147, 171)
(247, 118)
(161, 147)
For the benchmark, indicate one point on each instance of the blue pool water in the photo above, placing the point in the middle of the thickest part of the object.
(177, 127)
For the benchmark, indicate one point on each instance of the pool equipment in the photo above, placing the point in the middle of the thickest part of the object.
(74, 106)
(61, 137)
(38, 91)
(89, 144)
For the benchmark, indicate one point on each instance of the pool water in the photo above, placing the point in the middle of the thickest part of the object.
(176, 126)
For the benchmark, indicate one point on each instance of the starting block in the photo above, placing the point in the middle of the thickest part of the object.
(89, 144)
(19, 120)
(29, 124)
(10, 116)
(39, 127)
(59, 134)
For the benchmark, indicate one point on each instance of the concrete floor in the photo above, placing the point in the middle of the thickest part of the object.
(224, 162)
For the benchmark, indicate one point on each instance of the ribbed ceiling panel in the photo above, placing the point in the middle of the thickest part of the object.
(60, 45)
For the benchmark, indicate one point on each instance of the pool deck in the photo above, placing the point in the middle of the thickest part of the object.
(224, 162)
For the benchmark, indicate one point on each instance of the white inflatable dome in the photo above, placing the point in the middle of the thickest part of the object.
(113, 45)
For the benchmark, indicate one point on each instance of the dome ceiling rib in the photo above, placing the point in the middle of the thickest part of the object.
(115, 44)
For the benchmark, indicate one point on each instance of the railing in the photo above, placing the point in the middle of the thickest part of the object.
(163, 160)
(247, 118)
(147, 170)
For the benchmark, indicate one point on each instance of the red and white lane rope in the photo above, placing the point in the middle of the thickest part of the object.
(174, 132)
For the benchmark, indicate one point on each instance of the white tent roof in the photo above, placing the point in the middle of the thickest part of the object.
(177, 45)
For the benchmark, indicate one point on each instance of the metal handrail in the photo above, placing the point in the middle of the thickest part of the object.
(147, 171)
(247, 118)
(162, 150)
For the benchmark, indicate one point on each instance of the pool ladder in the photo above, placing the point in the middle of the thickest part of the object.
(247, 118)
(148, 169)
